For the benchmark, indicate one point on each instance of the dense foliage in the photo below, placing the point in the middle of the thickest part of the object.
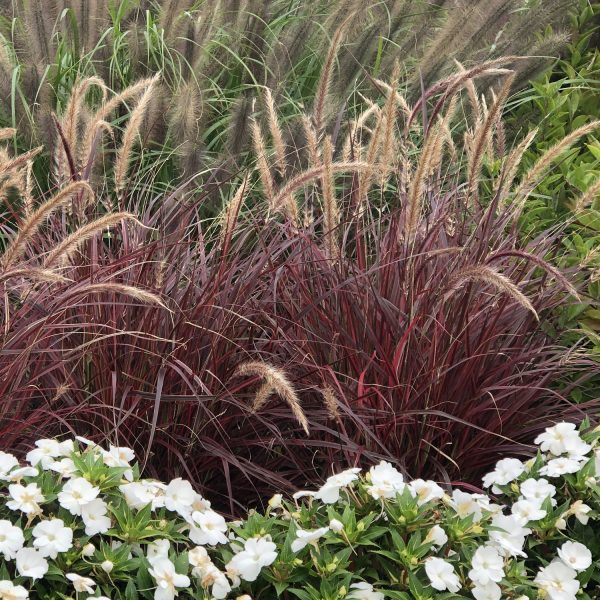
(563, 100)
(377, 303)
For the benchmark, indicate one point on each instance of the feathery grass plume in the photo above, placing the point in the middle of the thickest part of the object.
(495, 279)
(471, 95)
(230, 214)
(12, 164)
(184, 121)
(445, 137)
(365, 180)
(276, 134)
(586, 198)
(322, 91)
(390, 89)
(451, 84)
(352, 143)
(388, 143)
(314, 160)
(33, 274)
(331, 212)
(63, 252)
(543, 264)
(275, 381)
(28, 189)
(531, 178)
(6, 133)
(70, 125)
(416, 187)
(482, 137)
(117, 288)
(262, 165)
(98, 122)
(312, 144)
(331, 402)
(511, 166)
(130, 135)
(295, 183)
(29, 227)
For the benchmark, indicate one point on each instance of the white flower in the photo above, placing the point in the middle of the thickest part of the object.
(580, 510)
(198, 558)
(11, 539)
(385, 481)
(65, 466)
(208, 528)
(10, 591)
(558, 581)
(441, 575)
(19, 473)
(94, 517)
(575, 555)
(425, 491)
(562, 465)
(52, 537)
(88, 550)
(489, 591)
(44, 454)
(158, 549)
(511, 537)
(537, 490)
(527, 510)
(329, 493)
(81, 584)
(506, 470)
(25, 498)
(66, 448)
(141, 493)
(436, 536)
(487, 565)
(30, 563)
(363, 591)
(107, 566)
(305, 537)
(7, 462)
(466, 504)
(179, 497)
(167, 579)
(247, 564)
(119, 457)
(216, 580)
(76, 493)
(562, 438)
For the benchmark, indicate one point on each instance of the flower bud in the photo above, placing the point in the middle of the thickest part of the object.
(336, 525)
(107, 566)
(88, 550)
(560, 523)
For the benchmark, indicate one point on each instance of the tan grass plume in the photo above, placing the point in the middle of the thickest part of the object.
(275, 382)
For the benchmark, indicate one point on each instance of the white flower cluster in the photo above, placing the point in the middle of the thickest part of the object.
(90, 515)
(89, 510)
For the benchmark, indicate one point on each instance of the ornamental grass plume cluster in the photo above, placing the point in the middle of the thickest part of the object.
(379, 303)
(217, 55)
(77, 519)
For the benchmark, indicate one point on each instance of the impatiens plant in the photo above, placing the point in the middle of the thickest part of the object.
(77, 521)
